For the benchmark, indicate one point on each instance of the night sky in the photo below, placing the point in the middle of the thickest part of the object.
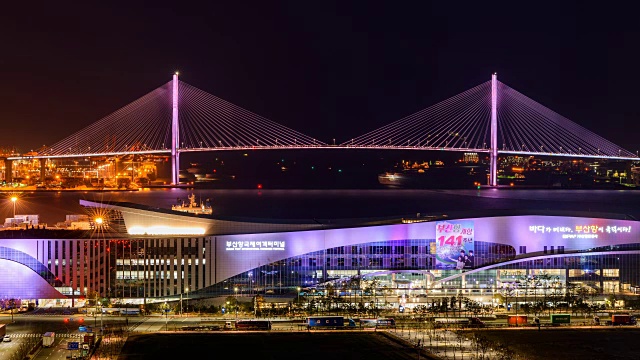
(326, 69)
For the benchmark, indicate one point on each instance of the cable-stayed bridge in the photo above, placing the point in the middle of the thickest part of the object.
(490, 118)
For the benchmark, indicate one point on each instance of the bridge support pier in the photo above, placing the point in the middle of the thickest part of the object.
(43, 166)
(8, 170)
(493, 151)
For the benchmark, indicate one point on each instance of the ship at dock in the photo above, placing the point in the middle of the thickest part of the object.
(192, 207)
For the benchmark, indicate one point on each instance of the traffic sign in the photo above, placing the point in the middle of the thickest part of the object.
(73, 345)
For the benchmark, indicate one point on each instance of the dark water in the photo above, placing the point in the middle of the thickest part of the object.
(333, 185)
(336, 204)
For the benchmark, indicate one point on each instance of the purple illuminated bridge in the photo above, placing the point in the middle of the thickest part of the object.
(490, 118)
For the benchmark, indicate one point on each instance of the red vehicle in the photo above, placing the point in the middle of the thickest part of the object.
(623, 319)
(517, 320)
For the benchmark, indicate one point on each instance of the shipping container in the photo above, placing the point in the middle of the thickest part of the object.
(329, 322)
(253, 325)
(623, 319)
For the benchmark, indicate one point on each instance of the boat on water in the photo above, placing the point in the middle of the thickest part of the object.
(435, 177)
(204, 208)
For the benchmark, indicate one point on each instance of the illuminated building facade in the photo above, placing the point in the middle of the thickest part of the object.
(154, 255)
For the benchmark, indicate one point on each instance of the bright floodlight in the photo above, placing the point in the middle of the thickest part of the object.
(99, 220)
(14, 199)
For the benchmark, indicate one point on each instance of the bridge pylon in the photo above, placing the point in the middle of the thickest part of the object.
(175, 134)
(493, 153)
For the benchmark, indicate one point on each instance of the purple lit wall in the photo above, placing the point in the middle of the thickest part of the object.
(20, 282)
(230, 255)
(534, 232)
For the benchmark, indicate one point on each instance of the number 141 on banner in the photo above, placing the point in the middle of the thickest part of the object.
(453, 240)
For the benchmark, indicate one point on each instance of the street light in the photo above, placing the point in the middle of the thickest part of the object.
(187, 295)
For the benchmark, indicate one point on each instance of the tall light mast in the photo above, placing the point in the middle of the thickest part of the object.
(175, 135)
(493, 156)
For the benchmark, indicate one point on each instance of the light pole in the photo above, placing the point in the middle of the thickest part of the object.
(187, 296)
(95, 313)
(14, 199)
(298, 302)
(12, 302)
(166, 320)
(235, 289)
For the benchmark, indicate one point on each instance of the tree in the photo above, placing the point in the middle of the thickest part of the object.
(482, 344)
(421, 311)
(508, 291)
(611, 301)
(258, 304)
(385, 291)
(452, 304)
(570, 293)
(556, 295)
(12, 304)
(582, 293)
(504, 352)
(371, 289)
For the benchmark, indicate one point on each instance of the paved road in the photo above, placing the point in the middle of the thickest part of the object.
(438, 343)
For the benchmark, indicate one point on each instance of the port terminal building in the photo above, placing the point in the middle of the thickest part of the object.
(141, 254)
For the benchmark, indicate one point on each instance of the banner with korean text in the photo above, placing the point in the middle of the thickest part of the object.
(455, 244)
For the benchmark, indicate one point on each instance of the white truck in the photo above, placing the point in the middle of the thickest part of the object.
(48, 339)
